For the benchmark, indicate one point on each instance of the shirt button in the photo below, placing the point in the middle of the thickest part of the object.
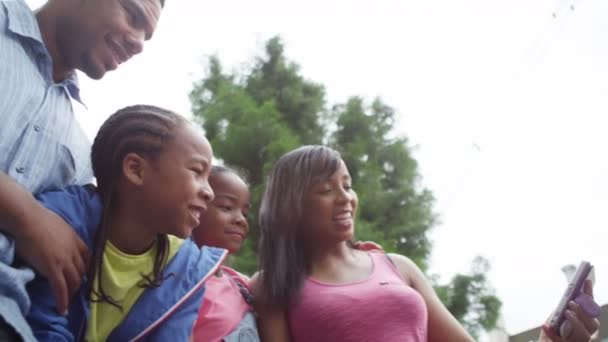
(37, 128)
(20, 169)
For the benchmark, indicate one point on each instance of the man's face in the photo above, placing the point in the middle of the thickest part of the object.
(99, 35)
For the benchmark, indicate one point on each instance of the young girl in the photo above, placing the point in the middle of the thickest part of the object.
(144, 280)
(315, 286)
(226, 313)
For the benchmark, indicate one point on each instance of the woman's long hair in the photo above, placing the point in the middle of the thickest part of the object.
(283, 260)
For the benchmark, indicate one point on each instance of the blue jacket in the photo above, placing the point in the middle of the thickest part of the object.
(166, 313)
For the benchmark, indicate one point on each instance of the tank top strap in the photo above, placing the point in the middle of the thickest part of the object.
(384, 265)
(241, 281)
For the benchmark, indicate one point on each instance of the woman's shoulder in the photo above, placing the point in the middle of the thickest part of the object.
(401, 260)
(407, 268)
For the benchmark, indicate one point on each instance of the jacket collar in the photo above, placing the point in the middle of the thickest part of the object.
(186, 274)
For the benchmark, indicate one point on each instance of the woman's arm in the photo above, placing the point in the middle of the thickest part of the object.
(442, 326)
(272, 323)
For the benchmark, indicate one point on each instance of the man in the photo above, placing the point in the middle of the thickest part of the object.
(42, 147)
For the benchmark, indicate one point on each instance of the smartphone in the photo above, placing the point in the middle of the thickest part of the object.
(575, 287)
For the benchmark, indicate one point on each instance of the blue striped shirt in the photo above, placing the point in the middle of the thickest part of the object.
(42, 146)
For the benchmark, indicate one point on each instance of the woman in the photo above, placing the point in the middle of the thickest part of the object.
(315, 286)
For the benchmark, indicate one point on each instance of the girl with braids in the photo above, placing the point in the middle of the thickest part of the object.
(316, 286)
(226, 314)
(144, 280)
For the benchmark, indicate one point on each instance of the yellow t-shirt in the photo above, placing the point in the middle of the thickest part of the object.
(121, 280)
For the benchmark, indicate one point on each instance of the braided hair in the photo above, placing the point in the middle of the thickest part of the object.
(140, 129)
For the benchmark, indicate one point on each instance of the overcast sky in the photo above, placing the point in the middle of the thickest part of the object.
(504, 103)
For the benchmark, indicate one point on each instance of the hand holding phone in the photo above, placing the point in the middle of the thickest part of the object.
(574, 292)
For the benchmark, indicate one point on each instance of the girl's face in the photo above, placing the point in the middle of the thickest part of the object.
(224, 223)
(176, 186)
(330, 207)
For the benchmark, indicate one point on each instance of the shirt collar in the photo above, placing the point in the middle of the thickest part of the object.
(22, 21)
(73, 88)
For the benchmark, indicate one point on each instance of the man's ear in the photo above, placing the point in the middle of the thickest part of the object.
(134, 167)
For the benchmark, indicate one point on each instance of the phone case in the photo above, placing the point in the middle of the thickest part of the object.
(575, 288)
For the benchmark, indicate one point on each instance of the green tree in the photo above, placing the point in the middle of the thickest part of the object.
(469, 298)
(301, 103)
(253, 118)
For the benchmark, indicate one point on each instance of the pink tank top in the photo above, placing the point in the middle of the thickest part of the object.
(379, 308)
(223, 307)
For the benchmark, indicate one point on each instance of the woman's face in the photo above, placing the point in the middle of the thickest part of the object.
(330, 207)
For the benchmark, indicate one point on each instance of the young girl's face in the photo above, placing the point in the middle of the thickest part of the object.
(176, 186)
(224, 223)
(330, 207)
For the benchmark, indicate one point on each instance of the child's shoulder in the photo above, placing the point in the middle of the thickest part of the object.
(197, 262)
(71, 198)
(189, 247)
(76, 191)
(236, 274)
(79, 205)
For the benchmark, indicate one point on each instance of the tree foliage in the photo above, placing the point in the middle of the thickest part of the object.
(469, 298)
